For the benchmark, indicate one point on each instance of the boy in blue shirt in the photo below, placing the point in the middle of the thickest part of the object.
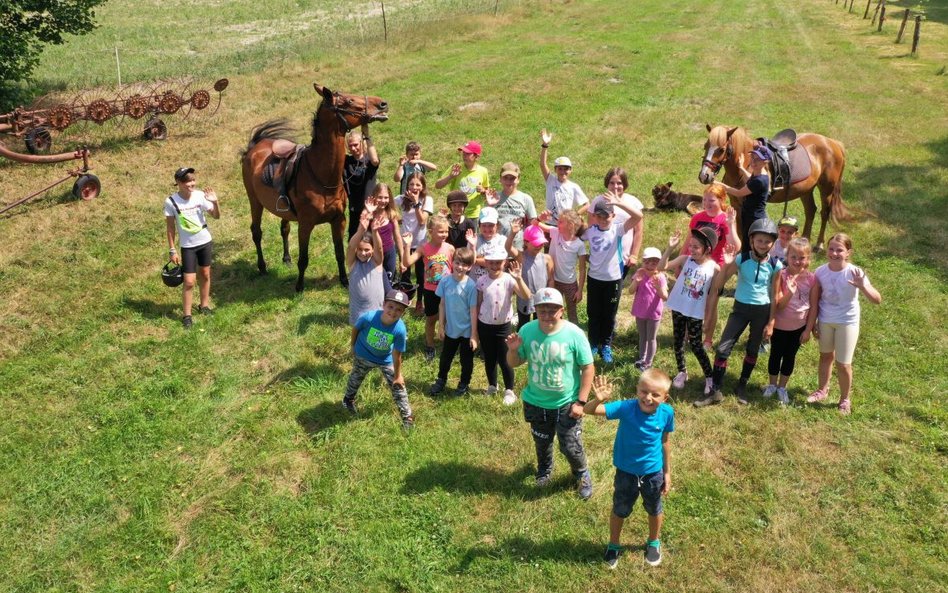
(378, 341)
(457, 321)
(640, 454)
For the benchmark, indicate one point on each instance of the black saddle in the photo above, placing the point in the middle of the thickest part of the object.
(279, 174)
(781, 145)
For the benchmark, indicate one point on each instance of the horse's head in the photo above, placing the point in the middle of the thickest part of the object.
(718, 149)
(353, 110)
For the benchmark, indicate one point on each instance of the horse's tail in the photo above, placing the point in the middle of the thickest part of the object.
(273, 129)
(838, 210)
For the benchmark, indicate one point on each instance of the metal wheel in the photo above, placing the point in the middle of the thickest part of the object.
(87, 187)
(38, 140)
(155, 129)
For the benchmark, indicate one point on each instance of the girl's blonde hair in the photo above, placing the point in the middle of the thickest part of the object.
(573, 217)
(437, 220)
(802, 244)
(843, 238)
(390, 209)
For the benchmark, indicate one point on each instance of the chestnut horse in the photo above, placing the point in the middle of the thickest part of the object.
(317, 192)
(827, 160)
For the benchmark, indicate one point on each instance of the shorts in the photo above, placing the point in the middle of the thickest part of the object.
(627, 488)
(432, 303)
(193, 257)
(840, 339)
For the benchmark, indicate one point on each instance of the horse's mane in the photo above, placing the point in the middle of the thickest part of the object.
(740, 140)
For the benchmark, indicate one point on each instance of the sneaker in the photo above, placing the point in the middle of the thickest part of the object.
(817, 396)
(764, 348)
(607, 354)
(205, 310)
(741, 392)
(584, 487)
(408, 423)
(350, 406)
(679, 381)
(187, 322)
(429, 353)
(653, 553)
(491, 390)
(716, 398)
(462, 389)
(595, 350)
(543, 481)
(611, 556)
(782, 396)
(770, 390)
(639, 365)
(708, 385)
(510, 398)
(436, 387)
(845, 407)
(708, 347)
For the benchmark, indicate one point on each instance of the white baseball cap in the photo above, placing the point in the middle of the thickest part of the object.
(563, 161)
(489, 215)
(651, 253)
(548, 296)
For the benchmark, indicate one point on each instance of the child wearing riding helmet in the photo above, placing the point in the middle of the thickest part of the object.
(461, 229)
(754, 305)
(837, 288)
(688, 298)
(756, 192)
(184, 212)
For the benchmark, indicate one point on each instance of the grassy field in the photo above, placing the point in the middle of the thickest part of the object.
(138, 457)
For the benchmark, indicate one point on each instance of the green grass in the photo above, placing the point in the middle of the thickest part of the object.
(137, 457)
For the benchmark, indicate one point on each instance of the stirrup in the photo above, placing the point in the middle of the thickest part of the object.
(283, 200)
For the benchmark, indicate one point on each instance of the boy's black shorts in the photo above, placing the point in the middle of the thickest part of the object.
(627, 488)
(432, 303)
(192, 257)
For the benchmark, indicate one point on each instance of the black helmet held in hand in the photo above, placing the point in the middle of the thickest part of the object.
(172, 275)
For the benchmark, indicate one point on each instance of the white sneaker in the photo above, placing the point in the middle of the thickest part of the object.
(708, 385)
(510, 398)
(770, 390)
(491, 390)
(679, 381)
(782, 396)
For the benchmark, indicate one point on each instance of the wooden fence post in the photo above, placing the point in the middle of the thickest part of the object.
(918, 32)
(881, 17)
(875, 13)
(865, 15)
(902, 28)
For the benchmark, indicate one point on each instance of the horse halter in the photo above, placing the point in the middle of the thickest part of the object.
(715, 166)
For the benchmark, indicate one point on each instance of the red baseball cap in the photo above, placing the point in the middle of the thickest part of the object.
(471, 147)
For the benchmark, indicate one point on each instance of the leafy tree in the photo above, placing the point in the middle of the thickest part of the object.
(28, 25)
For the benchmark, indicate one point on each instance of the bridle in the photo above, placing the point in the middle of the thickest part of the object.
(341, 111)
(715, 166)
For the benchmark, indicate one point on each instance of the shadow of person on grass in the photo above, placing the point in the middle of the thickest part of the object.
(318, 422)
(560, 550)
(466, 478)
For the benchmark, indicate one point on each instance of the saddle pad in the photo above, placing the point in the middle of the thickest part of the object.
(799, 164)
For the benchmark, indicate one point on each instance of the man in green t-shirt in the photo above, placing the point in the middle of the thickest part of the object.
(559, 377)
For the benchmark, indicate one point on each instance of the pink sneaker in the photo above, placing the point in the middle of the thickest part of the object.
(679, 381)
(817, 396)
(845, 408)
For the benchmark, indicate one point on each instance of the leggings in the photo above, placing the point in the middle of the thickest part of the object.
(783, 351)
(648, 339)
(569, 296)
(602, 305)
(682, 325)
(494, 345)
(756, 316)
(450, 348)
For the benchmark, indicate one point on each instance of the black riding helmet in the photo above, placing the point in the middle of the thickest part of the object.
(765, 226)
(707, 236)
(172, 275)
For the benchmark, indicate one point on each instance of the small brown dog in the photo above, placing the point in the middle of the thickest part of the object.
(667, 199)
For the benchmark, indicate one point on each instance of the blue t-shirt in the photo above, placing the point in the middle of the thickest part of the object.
(754, 279)
(638, 446)
(458, 298)
(376, 340)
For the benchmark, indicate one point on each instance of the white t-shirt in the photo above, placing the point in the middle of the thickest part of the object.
(604, 253)
(561, 197)
(565, 256)
(410, 222)
(496, 299)
(191, 223)
(839, 300)
(498, 241)
(690, 292)
(620, 219)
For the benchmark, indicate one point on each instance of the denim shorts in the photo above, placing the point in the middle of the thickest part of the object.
(627, 488)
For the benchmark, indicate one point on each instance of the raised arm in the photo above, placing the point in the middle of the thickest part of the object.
(545, 138)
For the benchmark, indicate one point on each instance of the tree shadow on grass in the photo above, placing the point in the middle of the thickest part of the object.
(560, 550)
(466, 478)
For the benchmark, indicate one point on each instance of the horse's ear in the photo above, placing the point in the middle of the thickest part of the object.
(324, 91)
(708, 126)
(731, 131)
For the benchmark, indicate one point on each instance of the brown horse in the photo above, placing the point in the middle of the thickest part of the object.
(827, 160)
(317, 192)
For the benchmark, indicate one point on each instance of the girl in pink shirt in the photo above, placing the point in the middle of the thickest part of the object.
(650, 288)
(794, 308)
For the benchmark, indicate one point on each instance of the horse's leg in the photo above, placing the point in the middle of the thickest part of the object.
(827, 193)
(338, 245)
(256, 212)
(809, 212)
(285, 233)
(302, 260)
